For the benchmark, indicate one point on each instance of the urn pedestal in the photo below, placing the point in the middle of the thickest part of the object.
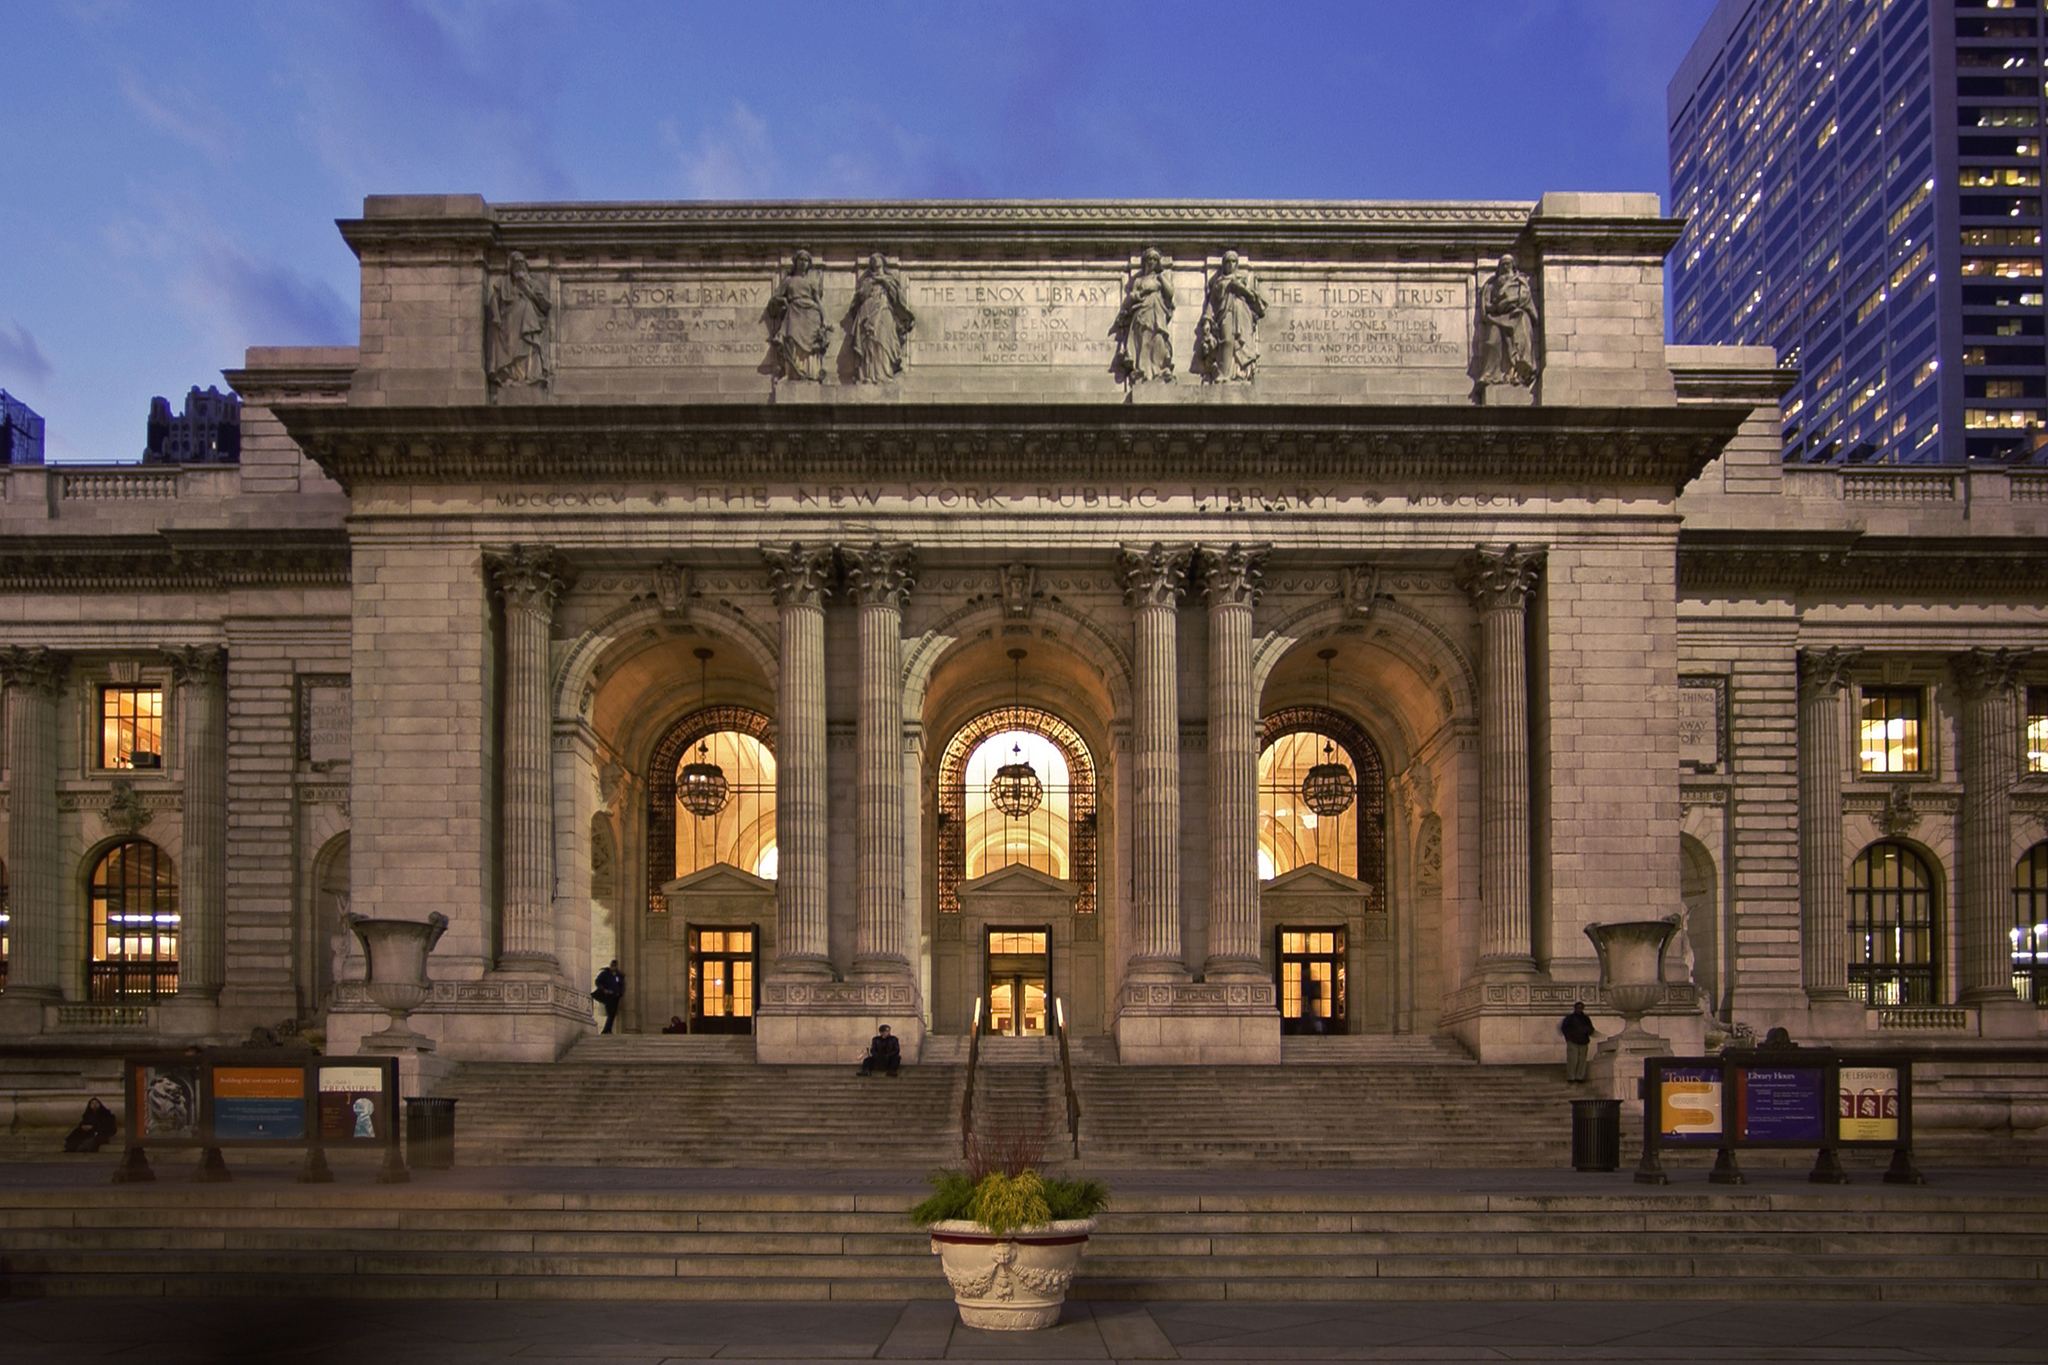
(1631, 984)
(395, 975)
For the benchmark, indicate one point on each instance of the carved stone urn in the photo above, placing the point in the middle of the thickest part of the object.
(395, 970)
(1015, 1282)
(1632, 967)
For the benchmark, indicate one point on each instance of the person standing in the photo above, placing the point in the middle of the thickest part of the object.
(611, 989)
(1578, 1034)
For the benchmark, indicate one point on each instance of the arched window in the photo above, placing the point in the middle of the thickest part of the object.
(1056, 837)
(1891, 927)
(741, 833)
(134, 924)
(5, 924)
(1291, 835)
(2030, 926)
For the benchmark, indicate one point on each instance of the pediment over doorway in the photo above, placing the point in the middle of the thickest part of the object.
(1313, 879)
(1017, 880)
(720, 879)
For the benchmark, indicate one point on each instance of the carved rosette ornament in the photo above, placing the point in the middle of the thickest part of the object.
(1499, 581)
(799, 575)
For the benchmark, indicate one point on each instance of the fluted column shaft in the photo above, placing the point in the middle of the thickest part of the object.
(1823, 899)
(1499, 585)
(1988, 686)
(798, 576)
(1232, 579)
(879, 576)
(528, 580)
(1153, 580)
(200, 674)
(36, 902)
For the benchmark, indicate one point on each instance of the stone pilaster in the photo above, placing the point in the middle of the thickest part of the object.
(798, 576)
(35, 892)
(1231, 577)
(528, 579)
(200, 672)
(1499, 584)
(1823, 899)
(1988, 687)
(1153, 581)
(879, 577)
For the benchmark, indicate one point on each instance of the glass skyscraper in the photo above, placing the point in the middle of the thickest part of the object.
(1861, 181)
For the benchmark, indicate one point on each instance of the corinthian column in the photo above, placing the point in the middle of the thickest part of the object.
(528, 579)
(1499, 585)
(1823, 900)
(1231, 577)
(798, 576)
(879, 577)
(1987, 682)
(199, 672)
(33, 677)
(1153, 580)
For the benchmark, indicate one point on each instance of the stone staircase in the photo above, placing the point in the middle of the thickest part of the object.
(535, 1241)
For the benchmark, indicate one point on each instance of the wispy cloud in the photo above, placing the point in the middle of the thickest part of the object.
(260, 302)
(734, 159)
(183, 115)
(21, 356)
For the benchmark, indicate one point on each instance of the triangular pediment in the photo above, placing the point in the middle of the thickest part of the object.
(1313, 879)
(1016, 880)
(719, 879)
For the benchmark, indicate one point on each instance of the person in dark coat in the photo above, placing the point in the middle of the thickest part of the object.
(95, 1126)
(884, 1051)
(1578, 1033)
(611, 989)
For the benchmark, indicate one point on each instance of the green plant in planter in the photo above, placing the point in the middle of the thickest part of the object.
(1002, 1201)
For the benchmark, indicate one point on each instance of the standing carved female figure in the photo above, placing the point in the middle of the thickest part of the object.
(796, 320)
(881, 322)
(1144, 346)
(1227, 339)
(1507, 327)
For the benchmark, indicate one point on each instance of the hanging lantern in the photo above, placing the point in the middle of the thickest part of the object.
(701, 788)
(1016, 790)
(1328, 788)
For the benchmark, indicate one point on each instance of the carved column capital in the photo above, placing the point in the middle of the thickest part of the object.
(880, 575)
(196, 665)
(527, 576)
(1824, 672)
(34, 666)
(1499, 580)
(1987, 672)
(1231, 573)
(1156, 575)
(798, 575)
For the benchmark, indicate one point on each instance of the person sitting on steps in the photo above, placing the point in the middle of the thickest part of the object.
(884, 1052)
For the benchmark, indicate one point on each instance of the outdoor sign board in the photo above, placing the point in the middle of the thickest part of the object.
(261, 1098)
(1804, 1097)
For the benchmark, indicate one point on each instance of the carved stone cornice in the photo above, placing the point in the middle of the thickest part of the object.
(799, 575)
(528, 577)
(34, 667)
(879, 575)
(1231, 573)
(196, 665)
(1156, 575)
(1984, 672)
(207, 561)
(1795, 562)
(1004, 444)
(1499, 580)
(1826, 671)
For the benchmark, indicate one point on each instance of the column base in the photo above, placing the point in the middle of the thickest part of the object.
(1211, 1023)
(1236, 969)
(2007, 1017)
(1616, 1071)
(1157, 970)
(807, 1022)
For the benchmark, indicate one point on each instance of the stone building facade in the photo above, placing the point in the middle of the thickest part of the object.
(847, 613)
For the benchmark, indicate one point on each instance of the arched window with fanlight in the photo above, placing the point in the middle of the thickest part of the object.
(1891, 927)
(1322, 798)
(134, 933)
(711, 798)
(2030, 926)
(993, 814)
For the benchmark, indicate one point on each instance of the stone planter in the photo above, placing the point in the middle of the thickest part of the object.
(1012, 1283)
(1632, 983)
(395, 968)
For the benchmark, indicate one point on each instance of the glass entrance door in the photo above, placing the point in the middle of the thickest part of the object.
(722, 977)
(1311, 980)
(1019, 972)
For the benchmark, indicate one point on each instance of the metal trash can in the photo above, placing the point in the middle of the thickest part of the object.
(1596, 1135)
(429, 1133)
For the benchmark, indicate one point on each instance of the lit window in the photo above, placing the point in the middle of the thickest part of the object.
(131, 727)
(1891, 927)
(721, 979)
(740, 833)
(2030, 926)
(2000, 419)
(134, 925)
(1290, 834)
(1312, 980)
(1039, 838)
(1890, 730)
(2037, 729)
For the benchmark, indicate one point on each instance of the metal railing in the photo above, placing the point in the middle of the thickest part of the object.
(1059, 1013)
(967, 1095)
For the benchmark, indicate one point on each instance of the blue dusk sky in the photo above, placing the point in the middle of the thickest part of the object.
(174, 170)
